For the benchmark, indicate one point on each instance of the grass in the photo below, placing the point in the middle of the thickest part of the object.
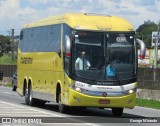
(8, 85)
(7, 59)
(148, 103)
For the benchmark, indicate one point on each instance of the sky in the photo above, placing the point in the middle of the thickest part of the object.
(15, 13)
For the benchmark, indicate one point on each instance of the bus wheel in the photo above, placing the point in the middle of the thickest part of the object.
(30, 96)
(117, 112)
(62, 108)
(26, 96)
(13, 87)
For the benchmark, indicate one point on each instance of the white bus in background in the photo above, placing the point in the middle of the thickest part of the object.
(154, 37)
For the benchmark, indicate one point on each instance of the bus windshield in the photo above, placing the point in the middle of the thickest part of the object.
(95, 54)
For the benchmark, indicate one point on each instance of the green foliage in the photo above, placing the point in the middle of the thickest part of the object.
(148, 103)
(144, 32)
(8, 85)
(5, 45)
(7, 59)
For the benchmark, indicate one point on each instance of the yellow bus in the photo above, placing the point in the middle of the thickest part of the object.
(79, 60)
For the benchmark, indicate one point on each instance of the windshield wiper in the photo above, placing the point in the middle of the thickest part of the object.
(119, 78)
(117, 75)
(93, 78)
(82, 77)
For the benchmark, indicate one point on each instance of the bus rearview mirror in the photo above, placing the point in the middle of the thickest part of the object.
(68, 44)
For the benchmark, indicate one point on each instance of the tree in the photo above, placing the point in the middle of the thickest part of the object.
(5, 45)
(144, 32)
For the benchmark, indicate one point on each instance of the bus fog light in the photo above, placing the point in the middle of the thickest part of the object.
(130, 101)
(76, 99)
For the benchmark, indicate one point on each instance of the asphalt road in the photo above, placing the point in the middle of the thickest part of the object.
(13, 109)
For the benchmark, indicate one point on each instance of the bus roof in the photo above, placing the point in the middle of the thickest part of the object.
(86, 22)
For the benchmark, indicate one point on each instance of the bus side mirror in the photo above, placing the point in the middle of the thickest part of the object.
(21, 35)
(67, 45)
(142, 49)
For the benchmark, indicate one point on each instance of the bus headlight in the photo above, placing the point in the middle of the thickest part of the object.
(79, 86)
(131, 91)
(78, 89)
(74, 87)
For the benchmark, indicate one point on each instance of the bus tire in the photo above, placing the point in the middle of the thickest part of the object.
(117, 112)
(32, 101)
(14, 88)
(26, 96)
(62, 108)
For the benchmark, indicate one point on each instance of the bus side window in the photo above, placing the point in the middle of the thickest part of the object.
(66, 48)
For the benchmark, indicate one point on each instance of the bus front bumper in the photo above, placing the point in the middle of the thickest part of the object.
(79, 99)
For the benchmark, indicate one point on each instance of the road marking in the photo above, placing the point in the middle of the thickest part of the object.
(36, 110)
(7, 92)
(38, 113)
(152, 109)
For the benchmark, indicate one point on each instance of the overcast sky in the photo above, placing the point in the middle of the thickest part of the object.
(15, 13)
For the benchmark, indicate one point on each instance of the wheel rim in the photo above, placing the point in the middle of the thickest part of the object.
(30, 95)
(26, 96)
(26, 93)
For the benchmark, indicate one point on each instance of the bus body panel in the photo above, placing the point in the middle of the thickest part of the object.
(43, 69)
(86, 21)
(78, 99)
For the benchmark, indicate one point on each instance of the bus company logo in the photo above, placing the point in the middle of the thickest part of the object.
(105, 83)
(26, 60)
(6, 120)
(104, 94)
(121, 39)
(104, 88)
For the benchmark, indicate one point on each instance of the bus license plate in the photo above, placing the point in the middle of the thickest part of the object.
(104, 101)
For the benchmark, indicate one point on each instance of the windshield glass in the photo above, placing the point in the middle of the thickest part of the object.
(101, 56)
